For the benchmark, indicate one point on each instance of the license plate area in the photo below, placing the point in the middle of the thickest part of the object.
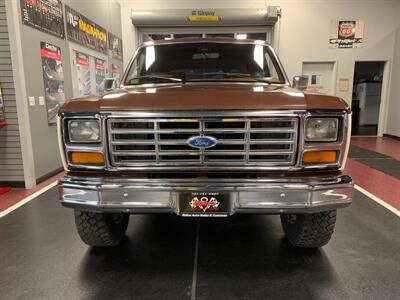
(204, 204)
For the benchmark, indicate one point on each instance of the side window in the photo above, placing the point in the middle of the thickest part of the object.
(269, 68)
(137, 67)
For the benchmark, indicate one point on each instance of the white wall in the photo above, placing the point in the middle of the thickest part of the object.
(39, 140)
(393, 115)
(304, 33)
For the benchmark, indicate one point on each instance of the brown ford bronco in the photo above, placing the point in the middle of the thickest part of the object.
(205, 128)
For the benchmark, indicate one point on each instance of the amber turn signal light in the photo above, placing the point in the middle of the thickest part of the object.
(319, 157)
(87, 158)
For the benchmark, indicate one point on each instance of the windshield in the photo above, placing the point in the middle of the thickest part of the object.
(204, 62)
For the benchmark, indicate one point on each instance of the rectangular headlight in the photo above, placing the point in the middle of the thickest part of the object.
(84, 131)
(321, 129)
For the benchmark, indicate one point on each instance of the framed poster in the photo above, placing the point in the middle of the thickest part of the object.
(83, 31)
(2, 113)
(44, 15)
(115, 46)
(82, 65)
(115, 72)
(346, 34)
(100, 74)
(53, 79)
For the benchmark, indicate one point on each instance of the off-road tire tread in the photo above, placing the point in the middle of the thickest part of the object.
(312, 230)
(98, 229)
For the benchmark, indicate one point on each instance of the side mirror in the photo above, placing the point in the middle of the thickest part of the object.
(300, 82)
(111, 84)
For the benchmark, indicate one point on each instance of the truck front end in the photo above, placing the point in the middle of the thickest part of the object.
(205, 128)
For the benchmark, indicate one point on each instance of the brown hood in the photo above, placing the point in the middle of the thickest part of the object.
(204, 96)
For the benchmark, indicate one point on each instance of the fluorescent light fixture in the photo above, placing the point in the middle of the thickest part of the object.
(241, 36)
(150, 56)
(151, 90)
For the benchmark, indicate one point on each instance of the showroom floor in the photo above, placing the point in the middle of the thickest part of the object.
(242, 257)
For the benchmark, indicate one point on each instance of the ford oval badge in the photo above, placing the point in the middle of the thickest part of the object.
(202, 142)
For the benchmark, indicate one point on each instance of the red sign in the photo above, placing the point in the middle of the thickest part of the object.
(100, 64)
(346, 30)
(115, 69)
(50, 51)
(82, 59)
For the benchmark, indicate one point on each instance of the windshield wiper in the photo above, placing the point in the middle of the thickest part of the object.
(131, 81)
(238, 75)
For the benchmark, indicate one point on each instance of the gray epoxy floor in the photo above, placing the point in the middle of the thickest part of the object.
(377, 161)
(242, 257)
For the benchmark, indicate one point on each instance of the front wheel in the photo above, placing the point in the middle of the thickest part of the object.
(309, 230)
(101, 229)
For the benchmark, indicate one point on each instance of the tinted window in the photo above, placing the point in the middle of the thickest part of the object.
(204, 61)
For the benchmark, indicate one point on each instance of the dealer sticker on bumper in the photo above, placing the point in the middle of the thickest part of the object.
(204, 204)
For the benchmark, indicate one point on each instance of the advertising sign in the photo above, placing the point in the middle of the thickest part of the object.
(115, 71)
(44, 15)
(53, 79)
(346, 34)
(2, 114)
(115, 46)
(82, 64)
(100, 74)
(85, 32)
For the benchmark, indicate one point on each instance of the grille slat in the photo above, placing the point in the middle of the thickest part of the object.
(241, 141)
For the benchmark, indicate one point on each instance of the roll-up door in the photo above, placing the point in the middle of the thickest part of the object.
(166, 24)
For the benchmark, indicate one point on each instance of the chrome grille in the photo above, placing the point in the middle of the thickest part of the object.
(241, 141)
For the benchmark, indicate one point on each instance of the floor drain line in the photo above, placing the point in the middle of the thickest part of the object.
(195, 261)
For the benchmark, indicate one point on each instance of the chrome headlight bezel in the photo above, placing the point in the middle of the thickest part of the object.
(330, 122)
(90, 125)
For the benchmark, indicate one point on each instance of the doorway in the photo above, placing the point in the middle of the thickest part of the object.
(367, 97)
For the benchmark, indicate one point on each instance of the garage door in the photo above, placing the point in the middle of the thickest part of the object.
(166, 24)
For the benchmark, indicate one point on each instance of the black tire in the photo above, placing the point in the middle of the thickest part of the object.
(101, 229)
(309, 230)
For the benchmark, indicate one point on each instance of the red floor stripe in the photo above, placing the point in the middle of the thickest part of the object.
(381, 185)
(4, 190)
(383, 145)
(16, 195)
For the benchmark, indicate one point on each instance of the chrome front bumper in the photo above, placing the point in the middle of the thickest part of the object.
(264, 196)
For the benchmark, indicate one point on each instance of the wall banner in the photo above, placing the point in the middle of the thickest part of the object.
(53, 79)
(100, 74)
(82, 64)
(346, 34)
(115, 46)
(85, 32)
(44, 15)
